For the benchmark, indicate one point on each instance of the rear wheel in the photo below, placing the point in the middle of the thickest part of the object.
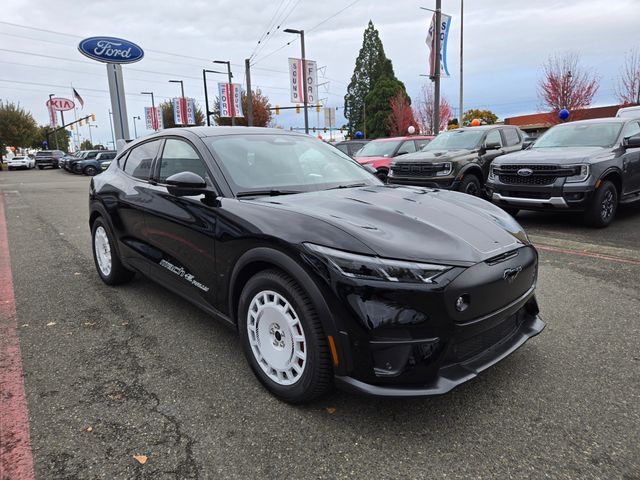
(283, 339)
(603, 206)
(90, 170)
(471, 185)
(105, 256)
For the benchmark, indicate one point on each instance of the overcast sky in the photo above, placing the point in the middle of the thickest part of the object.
(506, 41)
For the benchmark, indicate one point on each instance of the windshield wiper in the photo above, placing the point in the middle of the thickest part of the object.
(270, 193)
(350, 185)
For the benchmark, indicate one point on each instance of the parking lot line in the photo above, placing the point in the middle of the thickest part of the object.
(597, 256)
(16, 459)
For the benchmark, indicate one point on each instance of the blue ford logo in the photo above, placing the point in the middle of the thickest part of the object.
(110, 50)
(525, 172)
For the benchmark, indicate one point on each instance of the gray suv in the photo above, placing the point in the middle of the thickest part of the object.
(590, 166)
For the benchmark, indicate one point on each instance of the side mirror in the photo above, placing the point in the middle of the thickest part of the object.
(492, 146)
(631, 142)
(527, 143)
(185, 184)
(401, 153)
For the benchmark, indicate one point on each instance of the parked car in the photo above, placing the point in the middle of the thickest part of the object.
(21, 162)
(93, 166)
(457, 159)
(328, 275)
(48, 158)
(589, 166)
(86, 155)
(351, 147)
(629, 112)
(72, 156)
(378, 153)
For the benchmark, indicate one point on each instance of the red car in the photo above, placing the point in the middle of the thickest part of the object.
(378, 153)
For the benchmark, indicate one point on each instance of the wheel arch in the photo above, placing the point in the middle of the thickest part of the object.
(614, 176)
(471, 169)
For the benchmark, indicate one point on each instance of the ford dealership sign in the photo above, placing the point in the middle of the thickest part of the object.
(110, 50)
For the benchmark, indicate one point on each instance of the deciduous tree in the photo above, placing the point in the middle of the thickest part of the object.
(425, 110)
(628, 87)
(261, 112)
(44, 132)
(486, 117)
(17, 126)
(566, 84)
(401, 116)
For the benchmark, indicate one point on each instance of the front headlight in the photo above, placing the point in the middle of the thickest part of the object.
(492, 175)
(375, 268)
(580, 175)
(444, 170)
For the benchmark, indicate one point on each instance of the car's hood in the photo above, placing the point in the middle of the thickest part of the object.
(434, 156)
(412, 223)
(370, 159)
(561, 155)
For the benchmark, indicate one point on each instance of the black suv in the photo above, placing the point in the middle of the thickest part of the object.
(48, 158)
(458, 159)
(588, 166)
(327, 274)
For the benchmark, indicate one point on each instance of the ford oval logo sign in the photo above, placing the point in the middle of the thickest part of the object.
(525, 172)
(110, 50)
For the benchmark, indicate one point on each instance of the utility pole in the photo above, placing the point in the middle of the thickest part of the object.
(206, 97)
(247, 68)
(436, 70)
(113, 138)
(304, 77)
(461, 109)
(232, 100)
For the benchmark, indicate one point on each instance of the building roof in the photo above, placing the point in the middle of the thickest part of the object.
(549, 119)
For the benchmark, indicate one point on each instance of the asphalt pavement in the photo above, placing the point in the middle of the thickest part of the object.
(113, 373)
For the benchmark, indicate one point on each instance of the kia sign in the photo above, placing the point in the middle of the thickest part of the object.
(60, 104)
(110, 50)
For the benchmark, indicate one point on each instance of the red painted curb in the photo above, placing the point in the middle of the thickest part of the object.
(16, 460)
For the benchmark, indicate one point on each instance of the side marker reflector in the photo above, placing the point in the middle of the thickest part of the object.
(334, 352)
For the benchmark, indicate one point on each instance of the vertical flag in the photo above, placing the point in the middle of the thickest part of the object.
(53, 115)
(77, 96)
(153, 118)
(230, 96)
(184, 111)
(297, 80)
(431, 40)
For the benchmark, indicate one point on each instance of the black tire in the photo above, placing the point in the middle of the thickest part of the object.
(383, 175)
(91, 171)
(604, 204)
(118, 273)
(317, 376)
(471, 185)
(40, 167)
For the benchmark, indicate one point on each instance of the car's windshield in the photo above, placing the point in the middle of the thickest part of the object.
(379, 149)
(455, 140)
(580, 135)
(285, 162)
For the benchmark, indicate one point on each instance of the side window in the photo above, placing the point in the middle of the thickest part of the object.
(179, 156)
(407, 147)
(631, 129)
(139, 161)
(422, 143)
(344, 148)
(511, 137)
(494, 137)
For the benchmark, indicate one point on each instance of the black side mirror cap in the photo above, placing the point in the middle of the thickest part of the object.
(185, 184)
(631, 142)
(492, 146)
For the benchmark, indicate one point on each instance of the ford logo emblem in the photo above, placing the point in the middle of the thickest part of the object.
(525, 172)
(110, 50)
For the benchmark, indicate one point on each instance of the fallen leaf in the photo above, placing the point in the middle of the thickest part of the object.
(142, 459)
(51, 324)
(77, 273)
(25, 324)
(89, 429)
(89, 323)
(331, 410)
(116, 396)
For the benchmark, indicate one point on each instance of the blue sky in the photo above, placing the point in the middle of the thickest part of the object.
(505, 44)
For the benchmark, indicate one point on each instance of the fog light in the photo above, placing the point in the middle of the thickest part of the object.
(462, 303)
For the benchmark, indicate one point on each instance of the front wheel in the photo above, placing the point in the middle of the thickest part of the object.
(91, 171)
(471, 185)
(283, 338)
(603, 206)
(105, 256)
(40, 167)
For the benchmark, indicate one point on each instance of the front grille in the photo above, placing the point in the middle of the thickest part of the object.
(473, 346)
(541, 174)
(531, 180)
(416, 169)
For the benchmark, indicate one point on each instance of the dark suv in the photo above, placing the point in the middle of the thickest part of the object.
(458, 159)
(48, 158)
(589, 166)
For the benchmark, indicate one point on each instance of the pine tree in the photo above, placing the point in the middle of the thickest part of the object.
(378, 102)
(371, 65)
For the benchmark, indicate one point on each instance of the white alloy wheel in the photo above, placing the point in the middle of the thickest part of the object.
(276, 337)
(103, 250)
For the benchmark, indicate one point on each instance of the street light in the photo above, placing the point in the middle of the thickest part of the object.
(206, 93)
(52, 112)
(154, 118)
(232, 99)
(113, 138)
(304, 75)
(135, 130)
(182, 101)
(91, 136)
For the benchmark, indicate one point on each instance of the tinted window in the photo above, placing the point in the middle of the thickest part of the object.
(407, 147)
(422, 143)
(455, 140)
(107, 156)
(580, 135)
(631, 129)
(91, 155)
(511, 137)
(343, 148)
(494, 137)
(384, 148)
(179, 156)
(138, 162)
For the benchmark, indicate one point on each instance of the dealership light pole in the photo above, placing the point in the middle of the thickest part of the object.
(51, 95)
(206, 93)
(154, 119)
(304, 76)
(232, 103)
(135, 130)
(113, 138)
(461, 61)
(182, 101)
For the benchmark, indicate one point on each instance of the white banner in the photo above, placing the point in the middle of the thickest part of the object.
(444, 36)
(53, 116)
(226, 92)
(184, 111)
(296, 79)
(153, 118)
